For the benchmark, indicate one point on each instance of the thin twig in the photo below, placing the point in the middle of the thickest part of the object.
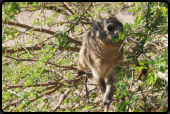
(123, 9)
(67, 7)
(87, 94)
(73, 82)
(146, 23)
(79, 18)
(132, 83)
(36, 48)
(56, 83)
(33, 99)
(61, 100)
(69, 67)
(106, 108)
(162, 105)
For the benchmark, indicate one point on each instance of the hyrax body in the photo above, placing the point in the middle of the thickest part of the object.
(99, 54)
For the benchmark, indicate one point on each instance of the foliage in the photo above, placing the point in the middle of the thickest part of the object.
(39, 70)
(148, 23)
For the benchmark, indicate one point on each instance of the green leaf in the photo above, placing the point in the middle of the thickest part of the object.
(114, 38)
(162, 67)
(26, 94)
(148, 59)
(130, 57)
(88, 107)
(151, 54)
(122, 94)
(141, 67)
(151, 78)
(122, 106)
(122, 86)
(29, 82)
(137, 21)
(162, 64)
(165, 52)
(125, 26)
(149, 38)
(42, 70)
(164, 10)
(35, 75)
(80, 107)
(117, 69)
(67, 45)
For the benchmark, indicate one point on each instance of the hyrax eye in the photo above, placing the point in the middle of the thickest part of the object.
(109, 28)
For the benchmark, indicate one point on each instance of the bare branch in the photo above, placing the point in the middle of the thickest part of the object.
(162, 105)
(36, 48)
(38, 85)
(69, 67)
(57, 9)
(67, 7)
(61, 100)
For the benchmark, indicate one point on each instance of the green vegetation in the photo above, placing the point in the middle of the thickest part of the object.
(39, 69)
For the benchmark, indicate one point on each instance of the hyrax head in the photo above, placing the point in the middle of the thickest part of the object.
(107, 28)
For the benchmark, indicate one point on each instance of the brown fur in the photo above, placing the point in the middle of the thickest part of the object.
(99, 54)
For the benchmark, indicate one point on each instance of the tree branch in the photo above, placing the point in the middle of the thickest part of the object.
(69, 67)
(33, 99)
(38, 85)
(79, 18)
(67, 7)
(39, 30)
(36, 48)
(60, 84)
(54, 8)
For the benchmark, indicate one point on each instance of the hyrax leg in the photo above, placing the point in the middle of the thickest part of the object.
(110, 89)
(101, 84)
(109, 92)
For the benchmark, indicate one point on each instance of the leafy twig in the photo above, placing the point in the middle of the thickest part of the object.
(79, 18)
(38, 30)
